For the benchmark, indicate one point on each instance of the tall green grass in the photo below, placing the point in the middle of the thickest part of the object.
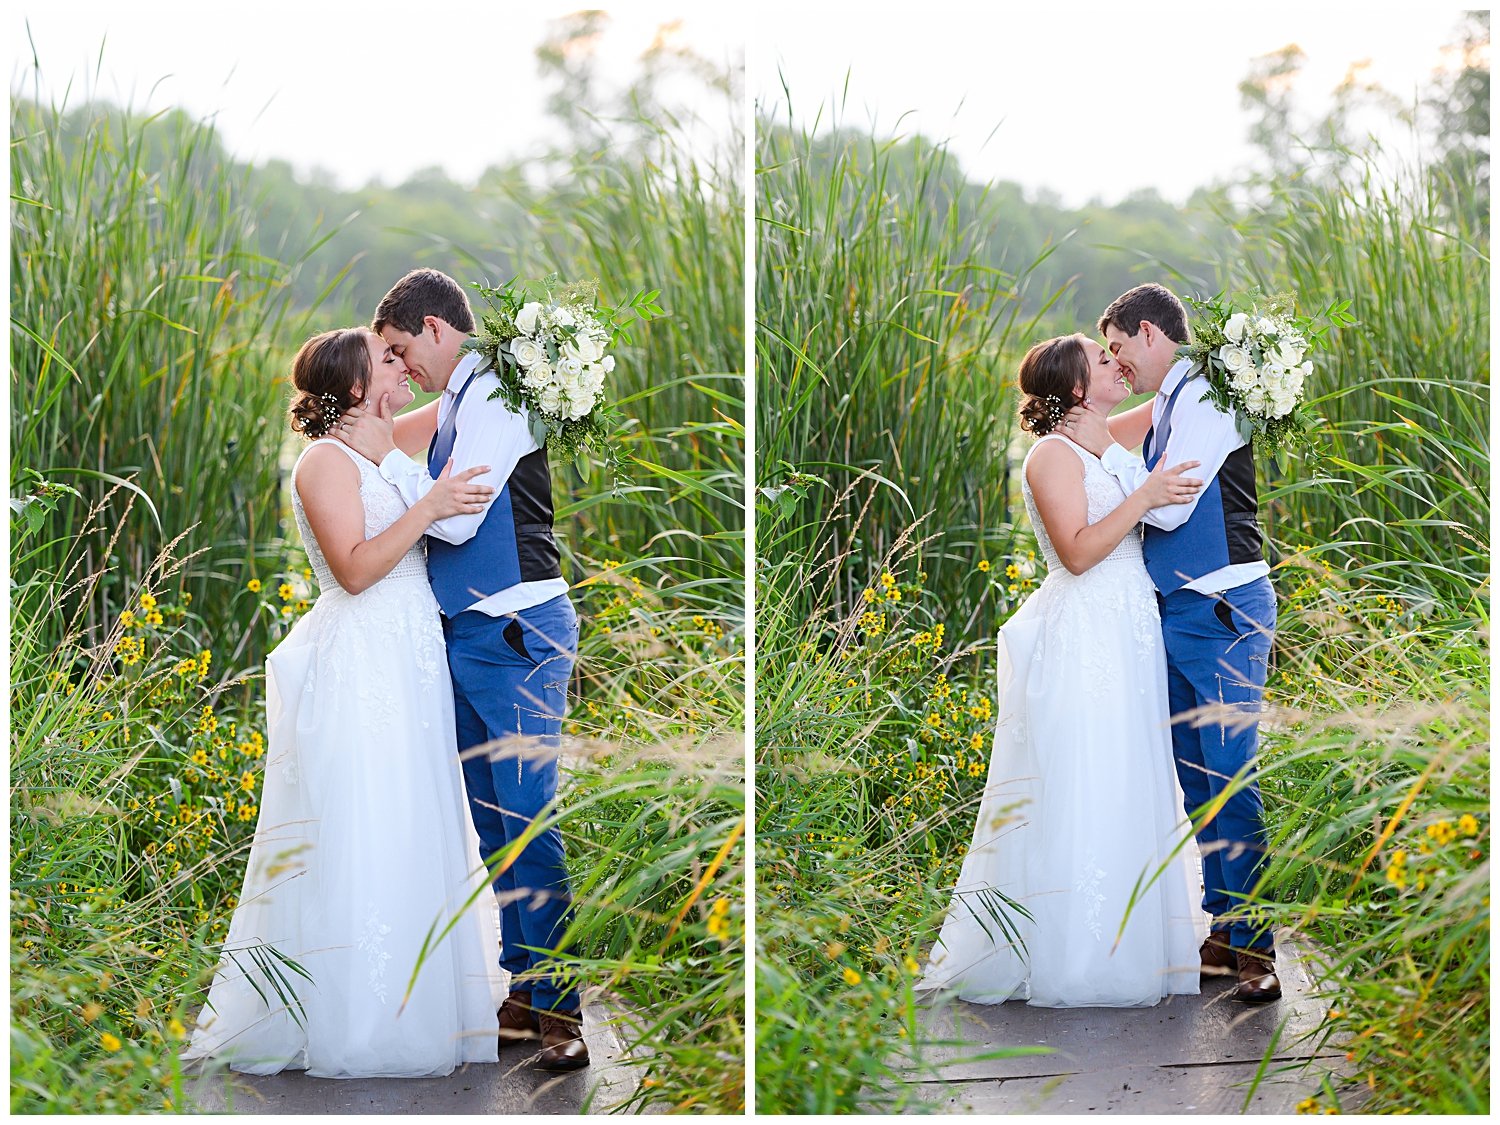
(147, 342)
(883, 342)
(1399, 493)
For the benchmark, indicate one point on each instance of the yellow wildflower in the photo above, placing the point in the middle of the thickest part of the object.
(869, 595)
(983, 565)
(247, 781)
(110, 1042)
(1012, 571)
(127, 620)
(253, 585)
(851, 977)
(148, 602)
(154, 617)
(285, 591)
(1468, 826)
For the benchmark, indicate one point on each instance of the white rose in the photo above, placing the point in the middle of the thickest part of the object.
(1264, 327)
(590, 349)
(1255, 400)
(550, 399)
(1245, 378)
(608, 363)
(1234, 327)
(579, 407)
(593, 377)
(1282, 404)
(570, 366)
(527, 351)
(1235, 358)
(538, 375)
(1288, 353)
(561, 315)
(526, 318)
(1294, 379)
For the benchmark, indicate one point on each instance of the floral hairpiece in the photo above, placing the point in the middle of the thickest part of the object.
(1055, 411)
(330, 414)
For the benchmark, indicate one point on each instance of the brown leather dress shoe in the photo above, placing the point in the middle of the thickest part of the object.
(518, 1020)
(563, 1047)
(1258, 981)
(1216, 958)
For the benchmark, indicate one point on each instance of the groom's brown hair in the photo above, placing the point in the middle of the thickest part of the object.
(1152, 302)
(424, 292)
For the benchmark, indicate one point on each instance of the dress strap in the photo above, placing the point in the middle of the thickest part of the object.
(1069, 442)
(359, 459)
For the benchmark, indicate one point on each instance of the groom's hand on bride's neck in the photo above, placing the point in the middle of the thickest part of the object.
(371, 433)
(1088, 428)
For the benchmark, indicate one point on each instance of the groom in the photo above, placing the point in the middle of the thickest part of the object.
(511, 632)
(1218, 610)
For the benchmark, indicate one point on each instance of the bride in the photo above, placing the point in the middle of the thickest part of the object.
(1080, 808)
(363, 852)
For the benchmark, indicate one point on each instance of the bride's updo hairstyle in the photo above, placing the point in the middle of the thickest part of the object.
(1054, 378)
(329, 373)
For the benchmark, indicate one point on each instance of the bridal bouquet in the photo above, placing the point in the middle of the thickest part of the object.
(550, 350)
(1257, 359)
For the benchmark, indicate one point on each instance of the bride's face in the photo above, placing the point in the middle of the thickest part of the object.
(388, 375)
(1107, 385)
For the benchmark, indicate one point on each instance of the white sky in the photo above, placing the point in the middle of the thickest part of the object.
(1080, 92)
(314, 82)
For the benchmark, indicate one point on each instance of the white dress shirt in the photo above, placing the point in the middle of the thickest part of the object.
(489, 433)
(1200, 432)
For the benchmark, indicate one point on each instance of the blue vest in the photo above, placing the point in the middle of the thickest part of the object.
(514, 543)
(1223, 528)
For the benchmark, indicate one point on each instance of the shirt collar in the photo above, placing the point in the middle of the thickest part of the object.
(465, 368)
(1175, 375)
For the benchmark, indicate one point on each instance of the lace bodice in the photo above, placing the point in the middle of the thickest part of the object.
(1104, 493)
(383, 506)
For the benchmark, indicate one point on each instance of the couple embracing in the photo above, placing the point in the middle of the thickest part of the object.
(1079, 888)
(413, 717)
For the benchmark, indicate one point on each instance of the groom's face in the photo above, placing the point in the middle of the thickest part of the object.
(1131, 353)
(420, 355)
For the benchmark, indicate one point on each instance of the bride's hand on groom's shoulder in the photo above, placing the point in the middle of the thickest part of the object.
(1088, 428)
(371, 433)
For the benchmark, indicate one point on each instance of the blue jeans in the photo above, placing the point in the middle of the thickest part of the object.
(1217, 649)
(510, 677)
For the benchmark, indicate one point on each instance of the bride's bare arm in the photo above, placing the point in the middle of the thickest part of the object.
(1055, 474)
(328, 483)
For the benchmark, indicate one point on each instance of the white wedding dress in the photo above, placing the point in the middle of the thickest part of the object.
(364, 848)
(1081, 809)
